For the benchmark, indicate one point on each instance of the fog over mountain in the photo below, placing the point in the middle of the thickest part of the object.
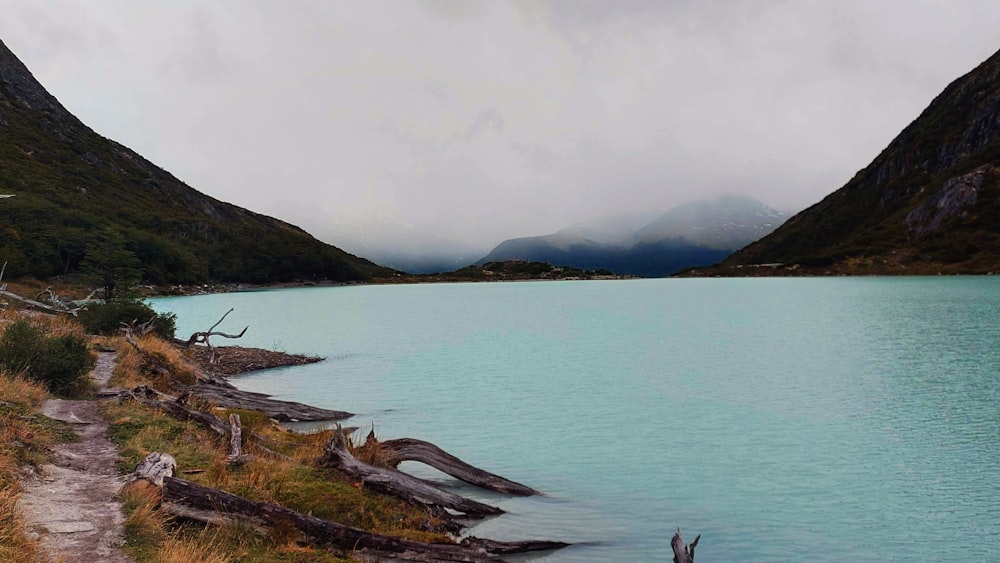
(457, 125)
(696, 233)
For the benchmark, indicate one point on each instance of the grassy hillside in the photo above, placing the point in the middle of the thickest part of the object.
(78, 195)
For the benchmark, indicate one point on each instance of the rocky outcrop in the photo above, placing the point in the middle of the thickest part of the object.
(954, 199)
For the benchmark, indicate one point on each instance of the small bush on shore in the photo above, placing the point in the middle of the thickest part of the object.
(107, 318)
(60, 361)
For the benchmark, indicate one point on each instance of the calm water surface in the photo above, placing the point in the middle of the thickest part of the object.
(783, 419)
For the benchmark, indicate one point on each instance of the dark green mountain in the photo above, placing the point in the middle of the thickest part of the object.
(693, 234)
(77, 196)
(929, 203)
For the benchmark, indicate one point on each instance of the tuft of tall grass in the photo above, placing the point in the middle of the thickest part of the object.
(19, 390)
(134, 369)
(15, 545)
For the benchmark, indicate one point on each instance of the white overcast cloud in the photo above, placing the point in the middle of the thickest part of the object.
(482, 121)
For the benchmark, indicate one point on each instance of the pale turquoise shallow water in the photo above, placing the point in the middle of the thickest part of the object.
(783, 419)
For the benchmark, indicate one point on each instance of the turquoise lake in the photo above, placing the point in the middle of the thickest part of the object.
(843, 419)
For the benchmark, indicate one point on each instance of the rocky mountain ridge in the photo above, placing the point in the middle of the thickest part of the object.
(928, 203)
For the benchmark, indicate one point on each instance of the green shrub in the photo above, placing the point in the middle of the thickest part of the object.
(107, 318)
(61, 362)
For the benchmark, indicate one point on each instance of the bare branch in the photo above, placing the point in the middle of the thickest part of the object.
(219, 322)
(202, 337)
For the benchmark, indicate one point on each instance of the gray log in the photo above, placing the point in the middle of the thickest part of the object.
(397, 451)
(190, 500)
(227, 396)
(398, 483)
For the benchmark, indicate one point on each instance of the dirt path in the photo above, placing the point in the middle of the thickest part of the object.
(71, 504)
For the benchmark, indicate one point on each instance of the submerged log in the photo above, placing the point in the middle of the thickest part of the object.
(394, 452)
(682, 553)
(398, 483)
(227, 396)
(189, 500)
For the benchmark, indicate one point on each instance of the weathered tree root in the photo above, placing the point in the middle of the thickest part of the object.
(176, 409)
(394, 452)
(398, 483)
(214, 506)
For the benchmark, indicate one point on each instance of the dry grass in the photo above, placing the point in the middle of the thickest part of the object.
(15, 545)
(24, 439)
(296, 484)
(20, 390)
(134, 369)
(52, 324)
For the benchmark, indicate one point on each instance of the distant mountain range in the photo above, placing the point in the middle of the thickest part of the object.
(929, 203)
(693, 234)
(77, 194)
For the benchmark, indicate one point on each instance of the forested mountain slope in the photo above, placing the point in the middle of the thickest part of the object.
(80, 197)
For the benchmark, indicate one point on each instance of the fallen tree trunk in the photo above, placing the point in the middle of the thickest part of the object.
(398, 483)
(189, 500)
(38, 305)
(175, 408)
(227, 396)
(394, 452)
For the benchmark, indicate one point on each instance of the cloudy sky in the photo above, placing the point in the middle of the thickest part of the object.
(480, 121)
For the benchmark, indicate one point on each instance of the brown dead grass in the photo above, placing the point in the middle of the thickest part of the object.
(21, 442)
(134, 369)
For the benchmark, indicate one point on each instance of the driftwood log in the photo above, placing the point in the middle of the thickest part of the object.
(226, 396)
(394, 452)
(397, 483)
(176, 409)
(189, 500)
(682, 553)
